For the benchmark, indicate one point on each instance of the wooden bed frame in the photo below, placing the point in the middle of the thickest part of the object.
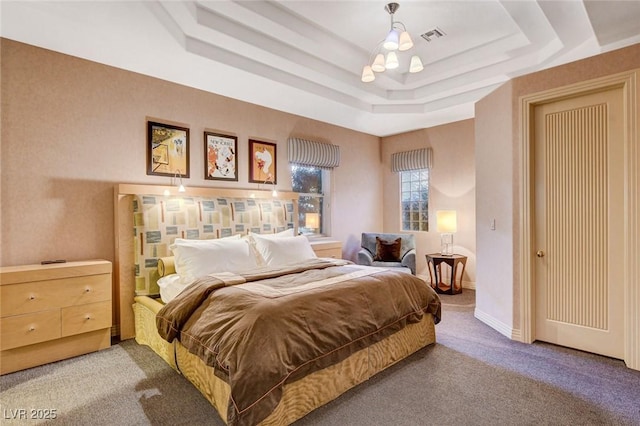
(136, 318)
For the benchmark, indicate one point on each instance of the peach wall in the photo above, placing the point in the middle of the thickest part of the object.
(494, 202)
(501, 178)
(72, 128)
(451, 187)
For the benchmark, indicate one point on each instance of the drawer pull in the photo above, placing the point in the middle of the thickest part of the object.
(87, 290)
(88, 317)
(32, 297)
(32, 328)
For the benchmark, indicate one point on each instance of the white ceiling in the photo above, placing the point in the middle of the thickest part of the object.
(306, 57)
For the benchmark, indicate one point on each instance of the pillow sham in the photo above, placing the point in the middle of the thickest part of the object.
(172, 285)
(388, 251)
(285, 233)
(195, 258)
(259, 259)
(283, 250)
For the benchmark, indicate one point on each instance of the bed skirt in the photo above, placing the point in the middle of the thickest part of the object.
(300, 397)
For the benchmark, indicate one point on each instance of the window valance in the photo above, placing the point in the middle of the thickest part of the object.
(312, 153)
(412, 160)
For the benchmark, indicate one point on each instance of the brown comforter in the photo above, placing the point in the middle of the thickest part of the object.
(263, 329)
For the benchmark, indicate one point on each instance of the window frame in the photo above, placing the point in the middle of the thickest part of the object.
(324, 195)
(419, 211)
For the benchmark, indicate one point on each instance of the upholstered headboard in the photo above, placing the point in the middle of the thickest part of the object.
(147, 223)
(159, 220)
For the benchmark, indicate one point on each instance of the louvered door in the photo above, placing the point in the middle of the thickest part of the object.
(579, 189)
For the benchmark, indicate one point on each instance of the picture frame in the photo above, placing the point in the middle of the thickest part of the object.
(167, 150)
(221, 156)
(262, 162)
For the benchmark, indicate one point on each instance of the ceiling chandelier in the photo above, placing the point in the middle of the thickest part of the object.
(398, 39)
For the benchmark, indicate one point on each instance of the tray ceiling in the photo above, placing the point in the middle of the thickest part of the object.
(306, 57)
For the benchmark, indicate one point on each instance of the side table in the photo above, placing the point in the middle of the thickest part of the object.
(456, 262)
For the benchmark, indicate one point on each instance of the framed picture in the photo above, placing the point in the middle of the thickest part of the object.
(262, 162)
(221, 160)
(167, 150)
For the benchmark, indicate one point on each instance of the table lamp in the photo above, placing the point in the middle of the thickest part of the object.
(312, 221)
(446, 224)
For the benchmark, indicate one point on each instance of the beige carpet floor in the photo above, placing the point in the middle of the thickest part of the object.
(472, 376)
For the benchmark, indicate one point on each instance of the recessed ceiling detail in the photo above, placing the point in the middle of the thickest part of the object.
(306, 57)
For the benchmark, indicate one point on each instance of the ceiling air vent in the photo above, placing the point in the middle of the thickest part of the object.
(431, 34)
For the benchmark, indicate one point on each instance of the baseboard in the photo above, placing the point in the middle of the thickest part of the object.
(516, 335)
(499, 326)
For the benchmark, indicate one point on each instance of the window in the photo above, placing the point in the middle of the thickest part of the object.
(414, 196)
(312, 184)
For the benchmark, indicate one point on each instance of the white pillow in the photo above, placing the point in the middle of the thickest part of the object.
(283, 250)
(285, 233)
(172, 285)
(252, 242)
(195, 258)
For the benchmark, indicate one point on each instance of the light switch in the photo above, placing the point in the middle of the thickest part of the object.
(492, 225)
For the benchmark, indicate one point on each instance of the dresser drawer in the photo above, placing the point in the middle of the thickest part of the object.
(81, 319)
(327, 248)
(43, 295)
(28, 329)
(335, 253)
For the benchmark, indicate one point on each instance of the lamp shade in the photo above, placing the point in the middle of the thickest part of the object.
(312, 220)
(367, 74)
(405, 42)
(378, 63)
(391, 42)
(392, 61)
(415, 65)
(446, 221)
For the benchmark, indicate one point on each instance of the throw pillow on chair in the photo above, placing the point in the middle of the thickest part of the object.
(388, 251)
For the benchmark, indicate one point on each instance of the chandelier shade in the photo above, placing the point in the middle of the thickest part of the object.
(392, 61)
(392, 40)
(405, 42)
(415, 65)
(386, 58)
(378, 63)
(367, 74)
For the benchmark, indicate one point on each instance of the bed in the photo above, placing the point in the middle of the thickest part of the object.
(225, 366)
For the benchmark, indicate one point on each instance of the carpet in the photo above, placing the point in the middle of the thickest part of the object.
(471, 376)
(465, 299)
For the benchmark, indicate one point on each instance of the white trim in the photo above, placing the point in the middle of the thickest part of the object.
(497, 325)
(471, 285)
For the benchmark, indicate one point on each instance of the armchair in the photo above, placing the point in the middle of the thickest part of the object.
(369, 249)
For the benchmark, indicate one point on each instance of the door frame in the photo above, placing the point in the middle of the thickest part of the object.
(628, 82)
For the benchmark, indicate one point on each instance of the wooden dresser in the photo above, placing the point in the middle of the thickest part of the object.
(327, 248)
(53, 312)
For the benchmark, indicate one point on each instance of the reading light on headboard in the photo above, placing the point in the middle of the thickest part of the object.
(274, 192)
(177, 181)
(181, 186)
